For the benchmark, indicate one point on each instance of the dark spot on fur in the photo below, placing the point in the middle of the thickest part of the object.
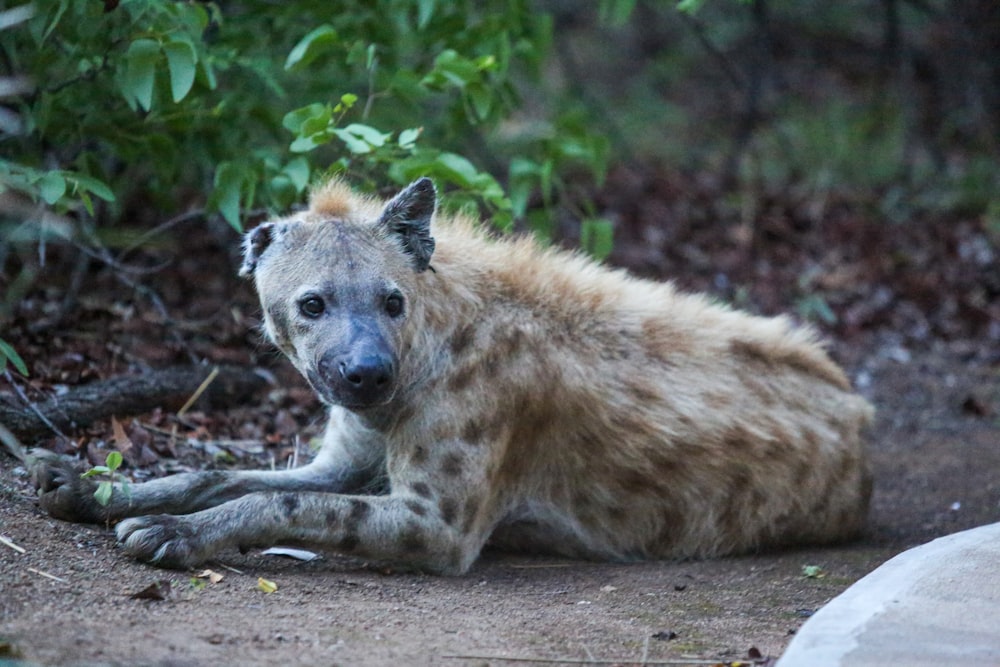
(617, 513)
(472, 433)
(412, 540)
(332, 517)
(279, 320)
(452, 465)
(462, 339)
(801, 474)
(359, 509)
(637, 483)
(735, 504)
(419, 456)
(471, 513)
(642, 392)
(449, 508)
(462, 378)
(422, 490)
(348, 542)
(290, 502)
(417, 508)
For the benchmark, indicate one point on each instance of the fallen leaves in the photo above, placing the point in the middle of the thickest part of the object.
(212, 576)
(813, 572)
(266, 585)
(158, 590)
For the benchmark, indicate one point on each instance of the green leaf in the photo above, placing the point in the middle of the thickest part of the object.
(407, 138)
(96, 470)
(689, 6)
(8, 353)
(103, 493)
(369, 134)
(459, 169)
(294, 120)
(52, 187)
(616, 12)
(140, 72)
(181, 62)
(311, 46)
(597, 237)
(297, 171)
(114, 460)
(356, 145)
(425, 11)
(228, 182)
(481, 98)
(84, 184)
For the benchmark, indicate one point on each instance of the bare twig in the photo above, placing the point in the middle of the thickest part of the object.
(198, 392)
(592, 661)
(725, 64)
(7, 543)
(48, 576)
(160, 228)
(32, 407)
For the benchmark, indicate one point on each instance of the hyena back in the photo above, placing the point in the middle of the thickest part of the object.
(486, 390)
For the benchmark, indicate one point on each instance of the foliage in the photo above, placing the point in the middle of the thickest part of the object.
(137, 102)
(8, 353)
(106, 487)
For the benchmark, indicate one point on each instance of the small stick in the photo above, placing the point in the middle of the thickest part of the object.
(198, 392)
(7, 543)
(31, 406)
(591, 661)
(231, 569)
(50, 576)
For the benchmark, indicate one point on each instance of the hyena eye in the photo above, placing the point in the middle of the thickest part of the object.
(394, 304)
(312, 306)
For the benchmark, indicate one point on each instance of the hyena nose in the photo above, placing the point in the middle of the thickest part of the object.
(366, 373)
(359, 379)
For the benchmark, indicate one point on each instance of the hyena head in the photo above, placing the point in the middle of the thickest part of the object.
(334, 282)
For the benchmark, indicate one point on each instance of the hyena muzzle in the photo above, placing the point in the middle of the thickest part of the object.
(512, 395)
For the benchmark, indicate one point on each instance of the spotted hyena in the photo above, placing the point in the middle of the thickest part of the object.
(491, 391)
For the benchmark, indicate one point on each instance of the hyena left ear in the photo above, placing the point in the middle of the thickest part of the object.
(408, 216)
(255, 242)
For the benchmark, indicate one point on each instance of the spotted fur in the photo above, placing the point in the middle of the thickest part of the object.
(521, 396)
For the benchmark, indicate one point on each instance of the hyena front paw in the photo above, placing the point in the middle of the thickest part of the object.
(164, 541)
(62, 493)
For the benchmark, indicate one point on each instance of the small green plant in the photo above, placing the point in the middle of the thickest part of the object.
(106, 488)
(8, 353)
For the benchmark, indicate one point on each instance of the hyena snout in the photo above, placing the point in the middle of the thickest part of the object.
(359, 378)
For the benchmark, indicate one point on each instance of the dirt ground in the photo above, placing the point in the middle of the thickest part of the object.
(916, 326)
(936, 454)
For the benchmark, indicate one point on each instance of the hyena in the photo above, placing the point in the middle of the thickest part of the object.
(491, 391)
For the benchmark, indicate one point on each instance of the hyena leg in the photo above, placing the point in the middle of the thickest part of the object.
(65, 495)
(393, 529)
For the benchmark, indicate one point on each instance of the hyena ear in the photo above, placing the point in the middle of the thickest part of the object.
(408, 216)
(254, 243)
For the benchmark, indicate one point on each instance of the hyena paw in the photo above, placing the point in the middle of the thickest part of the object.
(62, 493)
(164, 541)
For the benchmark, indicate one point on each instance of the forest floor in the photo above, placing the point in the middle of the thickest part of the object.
(914, 320)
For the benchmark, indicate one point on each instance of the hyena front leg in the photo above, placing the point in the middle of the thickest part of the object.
(64, 495)
(398, 529)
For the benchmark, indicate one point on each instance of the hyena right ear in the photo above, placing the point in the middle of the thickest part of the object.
(254, 243)
(408, 216)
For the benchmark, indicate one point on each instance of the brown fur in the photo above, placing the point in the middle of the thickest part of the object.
(539, 401)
